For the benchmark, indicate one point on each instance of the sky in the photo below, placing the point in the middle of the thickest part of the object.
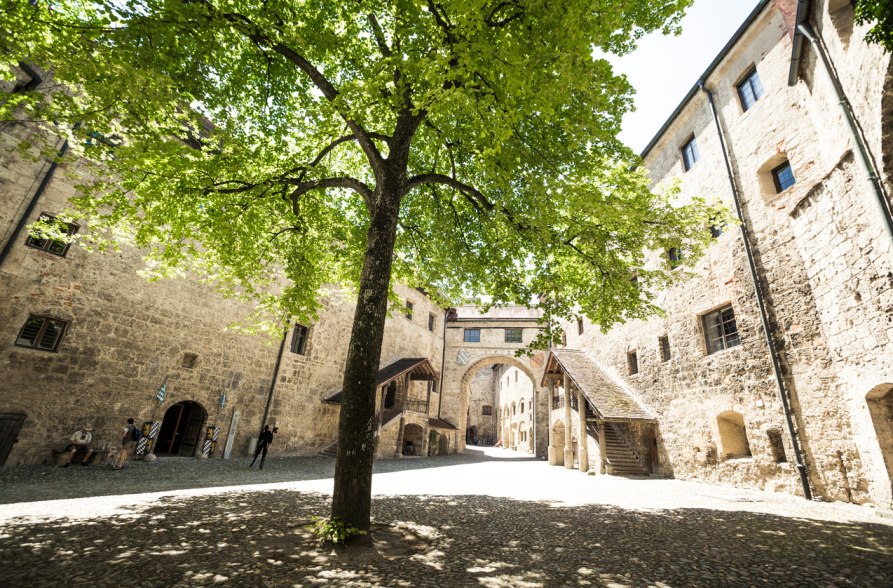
(663, 69)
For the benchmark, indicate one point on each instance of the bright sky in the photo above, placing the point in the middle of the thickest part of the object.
(663, 69)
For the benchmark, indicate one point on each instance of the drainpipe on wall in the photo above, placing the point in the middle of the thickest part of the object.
(7, 247)
(764, 318)
(275, 377)
(865, 156)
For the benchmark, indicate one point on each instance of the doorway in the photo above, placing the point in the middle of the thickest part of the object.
(181, 429)
(9, 433)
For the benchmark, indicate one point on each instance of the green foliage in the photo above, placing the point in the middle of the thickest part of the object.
(247, 142)
(879, 12)
(333, 530)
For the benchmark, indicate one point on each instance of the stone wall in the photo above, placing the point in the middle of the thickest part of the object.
(823, 264)
(125, 337)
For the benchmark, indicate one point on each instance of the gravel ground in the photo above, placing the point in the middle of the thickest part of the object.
(484, 518)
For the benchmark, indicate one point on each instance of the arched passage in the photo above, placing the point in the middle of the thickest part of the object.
(181, 429)
(413, 439)
(522, 378)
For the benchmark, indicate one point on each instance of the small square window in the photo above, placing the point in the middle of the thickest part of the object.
(407, 310)
(720, 329)
(189, 360)
(664, 344)
(690, 153)
(632, 363)
(41, 332)
(514, 335)
(472, 336)
(716, 231)
(674, 255)
(432, 322)
(783, 177)
(55, 246)
(486, 410)
(580, 326)
(299, 340)
(750, 89)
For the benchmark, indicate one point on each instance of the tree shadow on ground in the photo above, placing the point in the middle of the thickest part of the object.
(41, 482)
(261, 539)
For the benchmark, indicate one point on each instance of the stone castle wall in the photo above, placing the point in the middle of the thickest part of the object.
(126, 336)
(824, 267)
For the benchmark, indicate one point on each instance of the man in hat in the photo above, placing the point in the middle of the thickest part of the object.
(80, 439)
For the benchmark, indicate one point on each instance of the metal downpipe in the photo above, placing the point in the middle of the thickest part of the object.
(864, 154)
(767, 330)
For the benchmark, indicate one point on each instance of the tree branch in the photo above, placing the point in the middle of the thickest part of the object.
(342, 182)
(468, 191)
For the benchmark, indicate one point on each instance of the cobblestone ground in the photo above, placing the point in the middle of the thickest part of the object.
(485, 518)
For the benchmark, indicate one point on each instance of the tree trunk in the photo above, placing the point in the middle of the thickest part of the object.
(352, 497)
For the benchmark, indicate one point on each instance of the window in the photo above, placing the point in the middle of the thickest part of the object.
(564, 338)
(41, 332)
(632, 363)
(674, 254)
(664, 344)
(189, 360)
(690, 153)
(514, 335)
(634, 280)
(516, 376)
(299, 340)
(716, 230)
(407, 310)
(783, 177)
(55, 246)
(750, 89)
(432, 322)
(522, 407)
(487, 410)
(580, 326)
(472, 336)
(720, 329)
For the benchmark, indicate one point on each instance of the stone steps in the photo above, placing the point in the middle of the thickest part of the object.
(622, 459)
(331, 450)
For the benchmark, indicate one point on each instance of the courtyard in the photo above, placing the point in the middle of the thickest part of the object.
(486, 517)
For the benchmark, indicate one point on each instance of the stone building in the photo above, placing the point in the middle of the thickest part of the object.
(773, 366)
(516, 396)
(85, 340)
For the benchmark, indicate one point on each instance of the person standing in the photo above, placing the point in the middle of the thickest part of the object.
(263, 442)
(79, 439)
(128, 444)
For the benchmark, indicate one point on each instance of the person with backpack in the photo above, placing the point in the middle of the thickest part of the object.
(132, 435)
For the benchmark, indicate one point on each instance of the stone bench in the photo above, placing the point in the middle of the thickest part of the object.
(99, 455)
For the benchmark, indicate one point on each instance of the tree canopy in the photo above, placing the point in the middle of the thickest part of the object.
(461, 146)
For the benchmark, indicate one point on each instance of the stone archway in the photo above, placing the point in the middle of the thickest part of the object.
(181, 429)
(463, 391)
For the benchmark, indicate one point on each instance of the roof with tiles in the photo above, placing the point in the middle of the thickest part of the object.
(607, 398)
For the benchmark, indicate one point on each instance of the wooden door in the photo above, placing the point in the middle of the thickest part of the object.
(192, 431)
(9, 433)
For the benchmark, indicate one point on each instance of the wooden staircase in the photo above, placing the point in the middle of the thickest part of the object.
(622, 459)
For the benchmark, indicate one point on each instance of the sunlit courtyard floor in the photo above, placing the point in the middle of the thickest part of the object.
(484, 518)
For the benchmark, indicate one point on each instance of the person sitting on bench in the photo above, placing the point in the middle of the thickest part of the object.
(80, 439)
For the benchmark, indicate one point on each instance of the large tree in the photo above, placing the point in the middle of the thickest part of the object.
(278, 146)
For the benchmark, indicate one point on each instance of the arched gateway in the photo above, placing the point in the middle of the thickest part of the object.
(476, 341)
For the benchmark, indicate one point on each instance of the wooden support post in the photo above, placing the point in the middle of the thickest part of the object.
(602, 435)
(568, 425)
(583, 444)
